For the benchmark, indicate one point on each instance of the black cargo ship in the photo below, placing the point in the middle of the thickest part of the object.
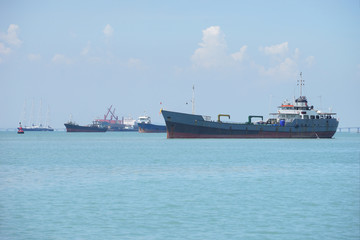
(73, 127)
(293, 120)
(145, 126)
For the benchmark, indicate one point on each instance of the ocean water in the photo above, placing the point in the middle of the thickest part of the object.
(127, 185)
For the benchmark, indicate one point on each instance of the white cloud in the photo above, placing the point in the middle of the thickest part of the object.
(212, 51)
(296, 53)
(288, 68)
(108, 30)
(279, 49)
(4, 50)
(310, 61)
(239, 56)
(61, 59)
(136, 63)
(11, 37)
(282, 64)
(86, 49)
(34, 57)
(213, 37)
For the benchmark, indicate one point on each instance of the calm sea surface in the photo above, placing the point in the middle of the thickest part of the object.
(127, 185)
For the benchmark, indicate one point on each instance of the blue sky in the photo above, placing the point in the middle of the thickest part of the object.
(244, 57)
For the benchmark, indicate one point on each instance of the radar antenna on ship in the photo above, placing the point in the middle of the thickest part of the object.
(71, 118)
(301, 82)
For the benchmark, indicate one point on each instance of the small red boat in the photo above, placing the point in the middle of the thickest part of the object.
(20, 129)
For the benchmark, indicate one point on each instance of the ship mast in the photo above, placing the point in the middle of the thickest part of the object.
(301, 83)
(193, 100)
(47, 121)
(23, 117)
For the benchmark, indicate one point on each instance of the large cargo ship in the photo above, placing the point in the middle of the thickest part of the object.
(113, 123)
(73, 127)
(293, 120)
(145, 126)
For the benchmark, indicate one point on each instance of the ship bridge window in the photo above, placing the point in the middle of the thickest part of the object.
(287, 116)
(305, 116)
(312, 117)
(317, 116)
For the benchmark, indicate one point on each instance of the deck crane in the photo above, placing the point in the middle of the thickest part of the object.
(113, 115)
(107, 114)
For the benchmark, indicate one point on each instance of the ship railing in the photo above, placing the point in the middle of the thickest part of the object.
(349, 129)
(242, 123)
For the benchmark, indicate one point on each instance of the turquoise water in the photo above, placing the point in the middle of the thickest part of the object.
(143, 186)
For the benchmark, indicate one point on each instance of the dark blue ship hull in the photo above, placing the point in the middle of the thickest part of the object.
(182, 125)
(151, 128)
(77, 128)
